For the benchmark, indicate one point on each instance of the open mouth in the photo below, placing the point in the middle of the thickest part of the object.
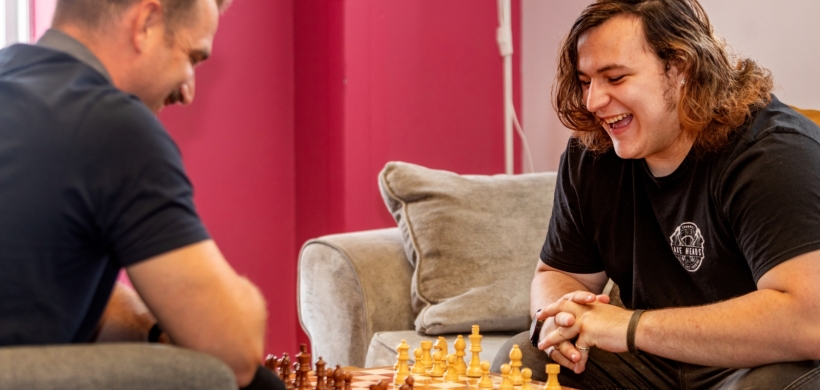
(619, 121)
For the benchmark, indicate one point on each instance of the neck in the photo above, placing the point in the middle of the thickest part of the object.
(664, 164)
(103, 45)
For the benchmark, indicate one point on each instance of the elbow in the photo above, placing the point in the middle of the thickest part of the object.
(245, 371)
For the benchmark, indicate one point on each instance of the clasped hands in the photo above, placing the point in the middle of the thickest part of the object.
(588, 319)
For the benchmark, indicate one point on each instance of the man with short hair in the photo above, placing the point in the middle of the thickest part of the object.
(688, 184)
(91, 183)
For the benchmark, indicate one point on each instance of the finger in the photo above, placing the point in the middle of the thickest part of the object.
(561, 305)
(569, 351)
(564, 319)
(580, 297)
(581, 363)
(560, 334)
(603, 298)
(557, 356)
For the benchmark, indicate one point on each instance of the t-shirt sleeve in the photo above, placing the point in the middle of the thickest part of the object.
(568, 246)
(771, 199)
(140, 196)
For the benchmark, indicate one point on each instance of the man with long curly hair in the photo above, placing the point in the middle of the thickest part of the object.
(689, 184)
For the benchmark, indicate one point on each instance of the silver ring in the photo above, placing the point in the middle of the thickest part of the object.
(582, 349)
(550, 350)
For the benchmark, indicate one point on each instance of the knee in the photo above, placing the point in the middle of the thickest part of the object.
(532, 358)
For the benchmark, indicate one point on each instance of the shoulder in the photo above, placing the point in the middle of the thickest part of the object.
(776, 120)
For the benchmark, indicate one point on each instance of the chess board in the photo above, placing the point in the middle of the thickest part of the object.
(363, 378)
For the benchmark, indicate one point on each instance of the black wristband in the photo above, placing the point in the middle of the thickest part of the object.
(154, 333)
(630, 332)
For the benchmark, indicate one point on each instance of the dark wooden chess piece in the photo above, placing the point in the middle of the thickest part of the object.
(304, 368)
(320, 374)
(338, 378)
(410, 382)
(272, 363)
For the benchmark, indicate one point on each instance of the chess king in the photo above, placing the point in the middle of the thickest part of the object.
(688, 183)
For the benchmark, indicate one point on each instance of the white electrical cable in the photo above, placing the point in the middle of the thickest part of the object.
(524, 142)
(505, 48)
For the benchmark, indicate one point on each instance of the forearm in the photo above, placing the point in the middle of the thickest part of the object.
(762, 327)
(126, 318)
(236, 335)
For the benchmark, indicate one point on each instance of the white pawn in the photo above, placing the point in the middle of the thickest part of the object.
(452, 373)
(418, 367)
(506, 383)
(526, 377)
(437, 371)
(485, 382)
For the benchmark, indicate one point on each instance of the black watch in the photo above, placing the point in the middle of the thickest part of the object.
(535, 331)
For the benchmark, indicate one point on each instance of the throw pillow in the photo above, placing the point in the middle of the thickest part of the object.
(474, 242)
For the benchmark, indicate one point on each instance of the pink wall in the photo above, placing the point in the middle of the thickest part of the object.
(377, 81)
(237, 144)
(41, 17)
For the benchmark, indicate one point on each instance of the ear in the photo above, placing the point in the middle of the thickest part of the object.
(678, 68)
(146, 24)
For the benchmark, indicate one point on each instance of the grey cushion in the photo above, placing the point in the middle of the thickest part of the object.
(382, 351)
(474, 241)
(111, 367)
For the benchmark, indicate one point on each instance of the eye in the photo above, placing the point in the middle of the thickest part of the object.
(615, 80)
(584, 83)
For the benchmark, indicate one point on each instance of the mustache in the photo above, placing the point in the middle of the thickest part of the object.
(174, 97)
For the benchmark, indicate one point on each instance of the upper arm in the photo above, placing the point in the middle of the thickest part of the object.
(798, 277)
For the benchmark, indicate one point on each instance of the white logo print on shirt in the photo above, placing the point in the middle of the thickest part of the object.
(687, 245)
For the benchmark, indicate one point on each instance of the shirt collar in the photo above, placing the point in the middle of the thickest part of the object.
(60, 41)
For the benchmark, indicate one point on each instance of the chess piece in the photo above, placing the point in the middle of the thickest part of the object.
(452, 374)
(552, 377)
(320, 374)
(284, 370)
(382, 385)
(526, 379)
(437, 371)
(515, 364)
(426, 357)
(474, 371)
(506, 383)
(485, 382)
(410, 381)
(460, 345)
(441, 345)
(402, 369)
(304, 368)
(272, 363)
(349, 380)
(418, 366)
(338, 378)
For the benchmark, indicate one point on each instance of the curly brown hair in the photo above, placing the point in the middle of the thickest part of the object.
(718, 96)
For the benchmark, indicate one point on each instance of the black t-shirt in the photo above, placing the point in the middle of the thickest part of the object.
(89, 182)
(703, 234)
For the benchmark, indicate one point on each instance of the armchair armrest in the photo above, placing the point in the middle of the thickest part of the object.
(351, 286)
(115, 366)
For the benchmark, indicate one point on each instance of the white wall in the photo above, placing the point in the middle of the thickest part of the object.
(783, 36)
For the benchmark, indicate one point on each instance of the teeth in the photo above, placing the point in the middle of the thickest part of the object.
(615, 119)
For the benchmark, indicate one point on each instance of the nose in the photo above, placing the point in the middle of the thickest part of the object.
(596, 97)
(187, 91)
